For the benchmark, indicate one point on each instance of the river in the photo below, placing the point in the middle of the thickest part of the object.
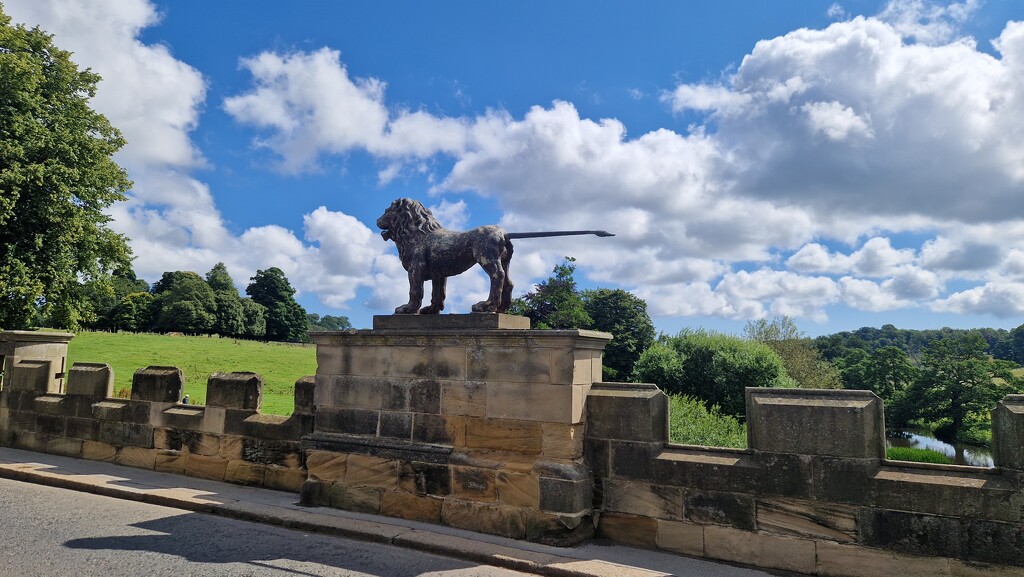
(960, 453)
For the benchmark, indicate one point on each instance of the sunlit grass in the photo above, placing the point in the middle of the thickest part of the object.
(280, 364)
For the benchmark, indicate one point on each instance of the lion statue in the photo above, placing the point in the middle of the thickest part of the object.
(431, 252)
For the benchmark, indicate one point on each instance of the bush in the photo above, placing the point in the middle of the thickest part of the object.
(692, 423)
(917, 455)
(712, 367)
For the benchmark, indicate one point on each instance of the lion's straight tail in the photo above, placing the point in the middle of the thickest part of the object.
(512, 235)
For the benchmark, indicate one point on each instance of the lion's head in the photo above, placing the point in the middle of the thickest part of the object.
(404, 218)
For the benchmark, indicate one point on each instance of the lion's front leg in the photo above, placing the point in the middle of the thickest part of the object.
(437, 294)
(415, 294)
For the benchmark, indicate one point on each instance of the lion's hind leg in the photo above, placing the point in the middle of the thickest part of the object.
(506, 289)
(495, 271)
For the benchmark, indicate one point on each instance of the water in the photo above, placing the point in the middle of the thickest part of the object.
(960, 453)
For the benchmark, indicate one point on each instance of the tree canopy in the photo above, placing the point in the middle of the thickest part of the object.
(286, 319)
(624, 315)
(556, 303)
(57, 176)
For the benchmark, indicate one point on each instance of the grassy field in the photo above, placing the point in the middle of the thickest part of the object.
(280, 364)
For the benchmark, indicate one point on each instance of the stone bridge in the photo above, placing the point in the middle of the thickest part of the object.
(478, 422)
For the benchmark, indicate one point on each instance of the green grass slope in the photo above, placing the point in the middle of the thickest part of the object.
(280, 364)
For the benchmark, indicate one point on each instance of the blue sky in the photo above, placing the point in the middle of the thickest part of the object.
(848, 164)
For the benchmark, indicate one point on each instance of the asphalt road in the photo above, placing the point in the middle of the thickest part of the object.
(49, 532)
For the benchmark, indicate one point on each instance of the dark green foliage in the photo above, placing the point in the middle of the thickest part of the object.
(184, 303)
(255, 319)
(220, 280)
(230, 316)
(917, 455)
(958, 382)
(803, 361)
(1011, 347)
(555, 304)
(134, 312)
(327, 322)
(691, 422)
(286, 319)
(712, 367)
(625, 316)
(56, 178)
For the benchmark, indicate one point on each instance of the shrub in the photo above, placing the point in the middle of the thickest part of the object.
(693, 423)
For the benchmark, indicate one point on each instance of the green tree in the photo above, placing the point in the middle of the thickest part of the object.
(803, 361)
(327, 322)
(57, 176)
(220, 280)
(255, 319)
(184, 303)
(134, 312)
(959, 383)
(286, 319)
(712, 367)
(229, 318)
(624, 315)
(556, 303)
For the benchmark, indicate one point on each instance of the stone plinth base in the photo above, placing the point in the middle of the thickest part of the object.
(476, 428)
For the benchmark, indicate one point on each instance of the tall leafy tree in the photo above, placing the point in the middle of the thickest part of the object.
(803, 361)
(286, 319)
(220, 280)
(959, 382)
(185, 303)
(556, 303)
(255, 319)
(327, 322)
(624, 315)
(57, 176)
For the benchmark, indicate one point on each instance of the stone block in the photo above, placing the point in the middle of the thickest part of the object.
(992, 542)
(839, 423)
(809, 519)
(65, 447)
(364, 470)
(450, 322)
(170, 461)
(425, 396)
(683, 538)
(627, 411)
(558, 530)
(842, 480)
(572, 366)
(785, 475)
(362, 392)
(467, 398)
(126, 434)
(562, 441)
(439, 429)
(136, 457)
(183, 417)
(396, 425)
(474, 484)
(97, 451)
(91, 380)
(644, 499)
(271, 427)
(30, 441)
(284, 453)
(913, 533)
(205, 467)
(504, 435)
(838, 560)
(199, 443)
(633, 460)
(425, 479)
(245, 473)
(510, 364)
(235, 391)
(50, 425)
(429, 362)
(214, 420)
(517, 489)
(629, 529)
(158, 384)
(944, 492)
(232, 447)
(5, 418)
(49, 404)
(410, 506)
(358, 499)
(566, 495)
(31, 375)
(536, 402)
(284, 478)
(351, 421)
(759, 549)
(716, 508)
(1008, 433)
(326, 465)
(488, 518)
(597, 456)
(973, 569)
(726, 470)
(305, 389)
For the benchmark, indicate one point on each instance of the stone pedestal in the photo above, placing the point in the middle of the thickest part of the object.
(473, 421)
(33, 361)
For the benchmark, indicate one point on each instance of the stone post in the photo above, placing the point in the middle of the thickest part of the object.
(1008, 433)
(33, 361)
(473, 421)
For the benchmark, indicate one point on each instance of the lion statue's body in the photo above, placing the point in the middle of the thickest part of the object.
(431, 252)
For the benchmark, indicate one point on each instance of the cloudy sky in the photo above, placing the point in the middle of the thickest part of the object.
(849, 165)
